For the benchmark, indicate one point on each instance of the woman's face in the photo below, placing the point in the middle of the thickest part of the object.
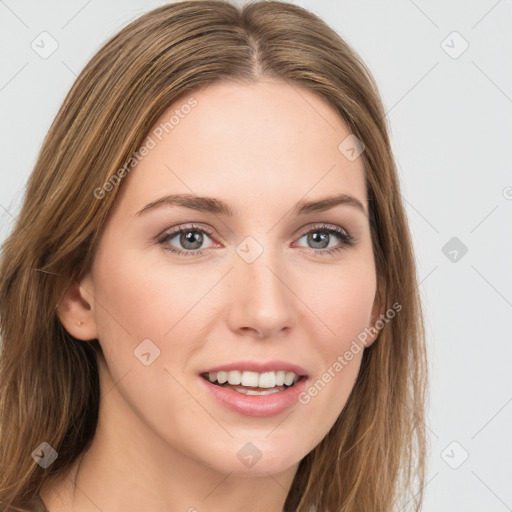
(260, 286)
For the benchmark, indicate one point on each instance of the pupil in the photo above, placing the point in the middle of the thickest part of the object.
(192, 237)
(319, 238)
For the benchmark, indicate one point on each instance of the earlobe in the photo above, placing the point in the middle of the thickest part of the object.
(76, 311)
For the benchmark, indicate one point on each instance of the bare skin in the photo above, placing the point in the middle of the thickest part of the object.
(163, 443)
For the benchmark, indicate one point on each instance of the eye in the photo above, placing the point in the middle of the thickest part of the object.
(322, 239)
(189, 240)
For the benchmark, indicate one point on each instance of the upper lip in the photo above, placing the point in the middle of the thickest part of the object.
(259, 367)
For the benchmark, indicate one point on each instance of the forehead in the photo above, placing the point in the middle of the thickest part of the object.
(259, 142)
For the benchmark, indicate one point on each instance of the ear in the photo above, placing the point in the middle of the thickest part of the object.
(377, 312)
(76, 310)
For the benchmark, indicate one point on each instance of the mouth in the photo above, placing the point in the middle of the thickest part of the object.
(253, 383)
(255, 388)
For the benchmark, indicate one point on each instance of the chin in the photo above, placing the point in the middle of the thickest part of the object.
(250, 456)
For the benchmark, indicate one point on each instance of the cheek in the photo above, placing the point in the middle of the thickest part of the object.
(141, 296)
(343, 301)
(137, 301)
(344, 310)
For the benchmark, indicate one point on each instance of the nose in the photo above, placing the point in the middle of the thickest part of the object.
(262, 302)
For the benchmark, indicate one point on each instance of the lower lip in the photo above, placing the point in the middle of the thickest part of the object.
(256, 405)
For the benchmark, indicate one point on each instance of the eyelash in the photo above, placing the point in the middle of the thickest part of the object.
(346, 239)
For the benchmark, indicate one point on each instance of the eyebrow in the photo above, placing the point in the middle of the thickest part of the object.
(218, 207)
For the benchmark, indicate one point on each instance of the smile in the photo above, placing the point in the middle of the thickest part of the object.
(253, 383)
(255, 389)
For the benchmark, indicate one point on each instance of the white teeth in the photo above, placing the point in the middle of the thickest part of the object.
(280, 378)
(254, 392)
(249, 379)
(267, 380)
(288, 380)
(254, 379)
(234, 377)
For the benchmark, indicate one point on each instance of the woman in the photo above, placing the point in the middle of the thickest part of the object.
(209, 300)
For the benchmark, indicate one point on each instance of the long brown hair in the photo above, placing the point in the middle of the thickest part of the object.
(374, 455)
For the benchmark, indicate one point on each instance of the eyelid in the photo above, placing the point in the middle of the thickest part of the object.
(346, 239)
(203, 227)
(171, 232)
(323, 226)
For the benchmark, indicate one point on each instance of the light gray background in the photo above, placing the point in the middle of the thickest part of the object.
(450, 120)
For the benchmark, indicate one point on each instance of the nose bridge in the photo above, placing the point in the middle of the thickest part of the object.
(262, 276)
(262, 273)
(262, 300)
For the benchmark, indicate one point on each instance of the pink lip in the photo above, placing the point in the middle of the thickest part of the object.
(256, 405)
(260, 367)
